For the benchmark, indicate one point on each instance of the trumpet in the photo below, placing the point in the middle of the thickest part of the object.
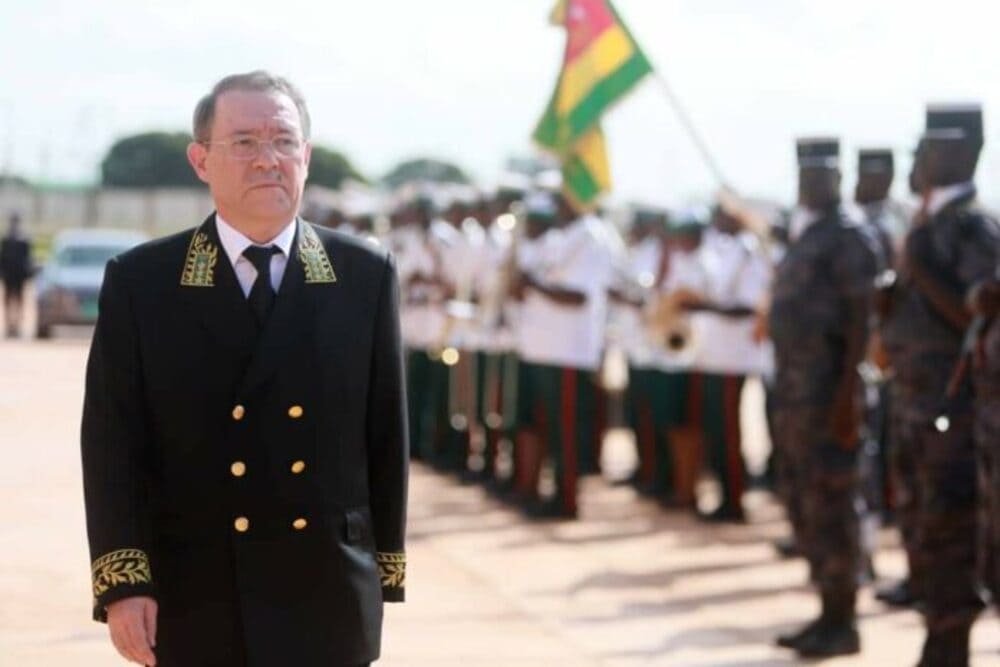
(668, 324)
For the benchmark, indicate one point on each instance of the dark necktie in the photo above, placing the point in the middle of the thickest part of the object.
(261, 297)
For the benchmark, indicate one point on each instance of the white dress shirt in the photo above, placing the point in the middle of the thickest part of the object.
(234, 243)
(942, 196)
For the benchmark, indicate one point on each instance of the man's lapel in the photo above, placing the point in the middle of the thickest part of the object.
(209, 286)
(290, 323)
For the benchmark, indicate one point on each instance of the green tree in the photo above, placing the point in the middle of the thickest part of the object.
(424, 169)
(151, 159)
(330, 168)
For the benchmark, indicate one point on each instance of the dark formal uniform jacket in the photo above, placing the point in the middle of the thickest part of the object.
(253, 483)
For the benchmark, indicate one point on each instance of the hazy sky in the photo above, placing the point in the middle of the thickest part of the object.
(467, 79)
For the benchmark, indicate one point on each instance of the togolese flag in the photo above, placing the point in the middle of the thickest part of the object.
(601, 64)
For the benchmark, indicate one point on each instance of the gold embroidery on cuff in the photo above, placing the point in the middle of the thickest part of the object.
(392, 568)
(199, 265)
(125, 566)
(312, 254)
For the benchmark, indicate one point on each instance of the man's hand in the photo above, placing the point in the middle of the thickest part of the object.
(984, 298)
(132, 624)
(761, 328)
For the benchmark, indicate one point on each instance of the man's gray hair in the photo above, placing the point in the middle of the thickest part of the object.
(258, 80)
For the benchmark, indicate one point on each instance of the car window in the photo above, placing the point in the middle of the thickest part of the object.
(87, 255)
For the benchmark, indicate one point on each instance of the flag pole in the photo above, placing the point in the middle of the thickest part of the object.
(692, 131)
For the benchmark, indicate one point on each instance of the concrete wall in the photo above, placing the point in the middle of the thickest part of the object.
(156, 211)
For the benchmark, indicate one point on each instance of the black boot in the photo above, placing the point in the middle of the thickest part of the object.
(793, 639)
(724, 514)
(946, 648)
(830, 639)
(787, 547)
(836, 632)
(898, 595)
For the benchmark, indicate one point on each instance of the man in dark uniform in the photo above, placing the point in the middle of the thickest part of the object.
(985, 302)
(244, 428)
(886, 221)
(15, 269)
(952, 246)
(819, 324)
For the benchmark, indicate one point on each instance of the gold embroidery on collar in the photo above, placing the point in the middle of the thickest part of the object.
(199, 266)
(124, 566)
(391, 568)
(312, 254)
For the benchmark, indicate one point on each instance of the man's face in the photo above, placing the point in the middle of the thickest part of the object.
(872, 187)
(819, 187)
(941, 163)
(263, 189)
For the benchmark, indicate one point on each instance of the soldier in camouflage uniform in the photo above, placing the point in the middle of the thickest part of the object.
(985, 301)
(885, 219)
(819, 324)
(952, 246)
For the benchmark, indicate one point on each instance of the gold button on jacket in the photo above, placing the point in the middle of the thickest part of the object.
(238, 468)
(295, 411)
(242, 524)
(238, 412)
(299, 523)
(298, 467)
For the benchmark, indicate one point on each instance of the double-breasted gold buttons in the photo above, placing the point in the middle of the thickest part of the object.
(238, 468)
(295, 411)
(298, 467)
(299, 523)
(242, 524)
(238, 412)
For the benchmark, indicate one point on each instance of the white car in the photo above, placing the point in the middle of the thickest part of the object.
(69, 284)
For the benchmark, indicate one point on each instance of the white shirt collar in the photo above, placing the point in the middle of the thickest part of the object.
(941, 197)
(235, 242)
(802, 219)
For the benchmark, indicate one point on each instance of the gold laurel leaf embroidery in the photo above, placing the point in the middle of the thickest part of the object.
(124, 566)
(199, 265)
(392, 569)
(312, 254)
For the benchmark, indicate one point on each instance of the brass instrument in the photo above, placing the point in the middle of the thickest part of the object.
(668, 324)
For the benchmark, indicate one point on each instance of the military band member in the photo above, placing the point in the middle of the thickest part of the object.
(737, 275)
(561, 334)
(496, 360)
(244, 429)
(637, 276)
(421, 320)
(537, 409)
(819, 324)
(584, 263)
(677, 415)
(953, 245)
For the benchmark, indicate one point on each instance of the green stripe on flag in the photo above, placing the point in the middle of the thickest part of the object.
(605, 94)
(579, 183)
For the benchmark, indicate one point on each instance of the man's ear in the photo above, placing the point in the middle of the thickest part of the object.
(197, 155)
(306, 156)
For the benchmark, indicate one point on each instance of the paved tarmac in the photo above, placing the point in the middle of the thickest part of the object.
(629, 584)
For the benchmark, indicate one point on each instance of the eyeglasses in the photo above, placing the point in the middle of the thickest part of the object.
(248, 147)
